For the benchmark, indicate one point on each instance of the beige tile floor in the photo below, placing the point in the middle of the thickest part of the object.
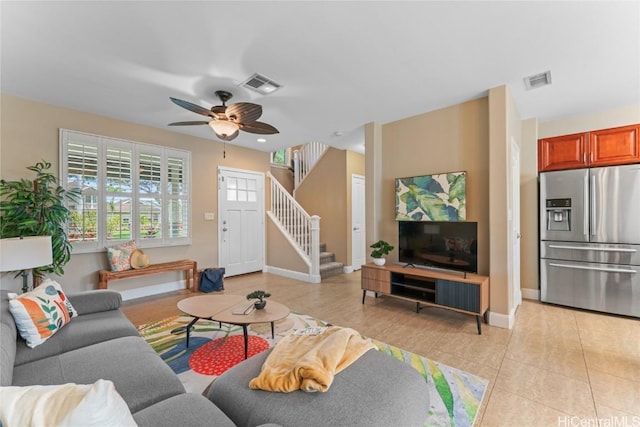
(556, 367)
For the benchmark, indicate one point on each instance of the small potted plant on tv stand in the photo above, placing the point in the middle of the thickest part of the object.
(380, 250)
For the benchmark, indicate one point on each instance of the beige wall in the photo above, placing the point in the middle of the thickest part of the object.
(586, 122)
(504, 130)
(323, 192)
(529, 208)
(280, 253)
(373, 180)
(284, 177)
(29, 133)
(447, 140)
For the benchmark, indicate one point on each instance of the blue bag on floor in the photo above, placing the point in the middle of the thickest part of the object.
(211, 280)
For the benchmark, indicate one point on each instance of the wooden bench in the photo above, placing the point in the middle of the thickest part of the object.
(188, 266)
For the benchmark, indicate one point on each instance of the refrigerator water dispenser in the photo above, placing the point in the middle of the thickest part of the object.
(559, 214)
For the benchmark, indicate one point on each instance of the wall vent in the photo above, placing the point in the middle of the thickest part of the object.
(537, 80)
(261, 84)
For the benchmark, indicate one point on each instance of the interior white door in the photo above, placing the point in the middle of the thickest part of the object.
(241, 221)
(515, 294)
(358, 235)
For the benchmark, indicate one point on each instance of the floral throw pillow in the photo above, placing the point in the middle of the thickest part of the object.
(120, 256)
(41, 313)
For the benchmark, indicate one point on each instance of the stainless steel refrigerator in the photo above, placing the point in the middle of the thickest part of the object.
(590, 238)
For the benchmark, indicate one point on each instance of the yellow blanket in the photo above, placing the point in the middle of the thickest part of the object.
(309, 362)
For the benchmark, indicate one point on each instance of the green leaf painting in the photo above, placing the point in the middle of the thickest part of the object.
(432, 197)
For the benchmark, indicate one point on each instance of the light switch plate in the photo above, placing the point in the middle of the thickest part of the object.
(208, 216)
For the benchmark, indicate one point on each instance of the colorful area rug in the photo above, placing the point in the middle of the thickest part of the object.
(213, 348)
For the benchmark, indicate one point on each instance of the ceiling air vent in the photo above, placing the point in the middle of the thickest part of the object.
(261, 84)
(537, 80)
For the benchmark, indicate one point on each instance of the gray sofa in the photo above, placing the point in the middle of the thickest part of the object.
(102, 343)
(376, 390)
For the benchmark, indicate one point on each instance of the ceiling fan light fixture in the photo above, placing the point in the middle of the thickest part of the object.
(223, 127)
(225, 121)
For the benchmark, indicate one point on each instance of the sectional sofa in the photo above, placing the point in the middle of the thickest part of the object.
(101, 343)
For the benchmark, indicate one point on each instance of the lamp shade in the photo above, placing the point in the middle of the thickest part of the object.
(223, 127)
(21, 253)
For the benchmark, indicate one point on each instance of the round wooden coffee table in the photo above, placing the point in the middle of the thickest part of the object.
(234, 310)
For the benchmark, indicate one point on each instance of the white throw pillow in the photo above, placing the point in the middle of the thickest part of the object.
(65, 405)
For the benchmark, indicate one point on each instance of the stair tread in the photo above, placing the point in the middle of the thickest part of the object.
(330, 265)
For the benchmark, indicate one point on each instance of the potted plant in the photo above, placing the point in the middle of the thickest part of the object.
(37, 208)
(260, 295)
(380, 250)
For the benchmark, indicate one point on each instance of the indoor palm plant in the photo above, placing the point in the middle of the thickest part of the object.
(37, 208)
(380, 250)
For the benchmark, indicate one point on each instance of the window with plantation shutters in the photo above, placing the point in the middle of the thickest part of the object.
(118, 190)
(150, 194)
(81, 154)
(129, 191)
(178, 190)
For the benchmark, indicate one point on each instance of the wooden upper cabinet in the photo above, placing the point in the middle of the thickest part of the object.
(606, 147)
(615, 146)
(562, 152)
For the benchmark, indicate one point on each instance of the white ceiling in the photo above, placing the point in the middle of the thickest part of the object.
(341, 64)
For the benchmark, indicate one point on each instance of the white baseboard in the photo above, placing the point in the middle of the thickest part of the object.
(528, 293)
(347, 269)
(502, 320)
(305, 277)
(146, 291)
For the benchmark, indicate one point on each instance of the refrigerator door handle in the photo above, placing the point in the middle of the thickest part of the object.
(585, 267)
(593, 205)
(585, 221)
(591, 248)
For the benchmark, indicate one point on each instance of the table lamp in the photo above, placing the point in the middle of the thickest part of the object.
(24, 253)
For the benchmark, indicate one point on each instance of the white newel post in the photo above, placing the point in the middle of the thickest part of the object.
(315, 247)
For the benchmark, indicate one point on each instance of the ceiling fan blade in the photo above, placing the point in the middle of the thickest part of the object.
(259, 128)
(199, 122)
(244, 112)
(191, 107)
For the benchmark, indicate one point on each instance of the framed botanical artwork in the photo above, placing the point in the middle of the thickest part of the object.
(439, 197)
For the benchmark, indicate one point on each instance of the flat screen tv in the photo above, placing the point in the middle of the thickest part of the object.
(451, 245)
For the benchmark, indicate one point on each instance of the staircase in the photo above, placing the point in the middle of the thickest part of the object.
(328, 265)
(305, 159)
(297, 226)
(303, 232)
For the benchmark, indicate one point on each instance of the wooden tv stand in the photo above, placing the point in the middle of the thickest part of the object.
(455, 292)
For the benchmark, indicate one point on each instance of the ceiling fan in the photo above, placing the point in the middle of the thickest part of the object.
(225, 121)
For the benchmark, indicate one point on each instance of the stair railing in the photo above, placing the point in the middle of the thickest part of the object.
(305, 159)
(299, 228)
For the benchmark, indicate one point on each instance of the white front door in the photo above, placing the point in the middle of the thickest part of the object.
(241, 221)
(358, 235)
(515, 294)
